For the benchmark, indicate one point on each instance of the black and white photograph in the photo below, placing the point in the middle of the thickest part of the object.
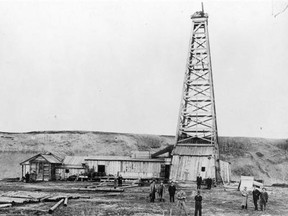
(143, 107)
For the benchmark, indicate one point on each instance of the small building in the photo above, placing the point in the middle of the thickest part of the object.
(202, 163)
(225, 171)
(72, 165)
(47, 166)
(41, 167)
(189, 161)
(127, 167)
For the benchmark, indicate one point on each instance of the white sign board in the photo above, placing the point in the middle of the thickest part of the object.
(247, 181)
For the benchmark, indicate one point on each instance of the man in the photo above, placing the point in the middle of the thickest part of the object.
(199, 181)
(172, 190)
(160, 191)
(115, 182)
(152, 191)
(263, 199)
(198, 204)
(244, 193)
(27, 177)
(120, 181)
(256, 194)
(181, 196)
(209, 183)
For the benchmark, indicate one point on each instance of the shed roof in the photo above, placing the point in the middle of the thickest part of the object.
(122, 158)
(48, 156)
(74, 160)
(194, 150)
(51, 159)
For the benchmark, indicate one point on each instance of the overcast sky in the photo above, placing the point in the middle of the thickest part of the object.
(118, 66)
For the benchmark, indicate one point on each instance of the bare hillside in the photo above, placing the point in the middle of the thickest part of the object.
(263, 158)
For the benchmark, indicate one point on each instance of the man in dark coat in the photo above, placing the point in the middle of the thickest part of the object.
(160, 190)
(120, 181)
(256, 193)
(152, 191)
(198, 204)
(27, 177)
(199, 181)
(172, 190)
(209, 183)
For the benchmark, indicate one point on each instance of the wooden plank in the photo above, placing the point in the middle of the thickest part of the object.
(66, 201)
(102, 189)
(5, 205)
(43, 199)
(6, 200)
(55, 206)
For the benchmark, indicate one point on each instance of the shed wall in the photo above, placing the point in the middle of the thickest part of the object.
(225, 171)
(186, 168)
(127, 169)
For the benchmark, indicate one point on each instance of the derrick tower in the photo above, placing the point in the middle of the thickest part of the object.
(196, 149)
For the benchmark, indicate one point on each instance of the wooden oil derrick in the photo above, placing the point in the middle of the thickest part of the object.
(196, 150)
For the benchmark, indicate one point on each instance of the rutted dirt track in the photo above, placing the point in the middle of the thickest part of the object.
(134, 201)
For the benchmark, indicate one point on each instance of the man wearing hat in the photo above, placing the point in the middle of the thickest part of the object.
(152, 190)
(172, 190)
(198, 204)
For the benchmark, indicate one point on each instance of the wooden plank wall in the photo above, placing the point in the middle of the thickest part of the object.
(128, 168)
(25, 168)
(225, 171)
(188, 167)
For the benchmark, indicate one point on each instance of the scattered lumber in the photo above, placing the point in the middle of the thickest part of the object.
(55, 206)
(5, 205)
(6, 200)
(56, 198)
(43, 199)
(25, 195)
(130, 186)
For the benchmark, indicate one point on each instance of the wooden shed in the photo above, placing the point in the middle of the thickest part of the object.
(72, 165)
(188, 162)
(127, 167)
(41, 167)
(197, 160)
(225, 171)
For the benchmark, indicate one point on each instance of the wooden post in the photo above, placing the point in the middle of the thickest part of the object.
(55, 206)
(22, 172)
(66, 201)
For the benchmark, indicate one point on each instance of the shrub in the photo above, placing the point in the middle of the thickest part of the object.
(259, 154)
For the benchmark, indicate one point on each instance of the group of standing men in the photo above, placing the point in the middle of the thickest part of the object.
(181, 196)
(199, 181)
(258, 194)
(262, 195)
(159, 189)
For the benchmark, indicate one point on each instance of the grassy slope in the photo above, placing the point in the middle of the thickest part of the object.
(263, 158)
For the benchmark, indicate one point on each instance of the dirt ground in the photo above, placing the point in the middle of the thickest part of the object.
(134, 201)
